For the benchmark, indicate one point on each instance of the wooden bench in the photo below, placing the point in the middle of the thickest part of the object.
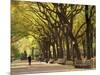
(51, 61)
(61, 61)
(83, 64)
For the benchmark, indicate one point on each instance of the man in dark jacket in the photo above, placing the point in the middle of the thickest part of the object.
(29, 60)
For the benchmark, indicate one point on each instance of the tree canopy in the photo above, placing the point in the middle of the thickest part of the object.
(60, 30)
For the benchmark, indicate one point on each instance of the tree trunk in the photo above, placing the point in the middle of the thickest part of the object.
(68, 52)
(88, 33)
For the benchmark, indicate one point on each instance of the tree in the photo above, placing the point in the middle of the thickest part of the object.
(56, 26)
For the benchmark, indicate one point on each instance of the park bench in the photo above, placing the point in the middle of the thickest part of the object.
(61, 61)
(83, 64)
(51, 61)
(69, 62)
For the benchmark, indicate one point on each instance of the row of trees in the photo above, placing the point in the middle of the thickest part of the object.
(61, 30)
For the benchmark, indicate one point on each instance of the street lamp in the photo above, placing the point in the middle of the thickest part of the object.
(73, 50)
(73, 42)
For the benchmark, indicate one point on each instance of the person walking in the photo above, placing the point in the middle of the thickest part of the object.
(29, 60)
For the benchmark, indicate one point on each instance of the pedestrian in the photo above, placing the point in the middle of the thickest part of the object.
(29, 60)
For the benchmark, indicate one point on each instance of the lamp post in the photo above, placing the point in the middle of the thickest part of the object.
(73, 50)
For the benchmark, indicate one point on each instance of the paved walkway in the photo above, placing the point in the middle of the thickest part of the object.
(22, 67)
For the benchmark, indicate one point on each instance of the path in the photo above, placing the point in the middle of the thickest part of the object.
(22, 67)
